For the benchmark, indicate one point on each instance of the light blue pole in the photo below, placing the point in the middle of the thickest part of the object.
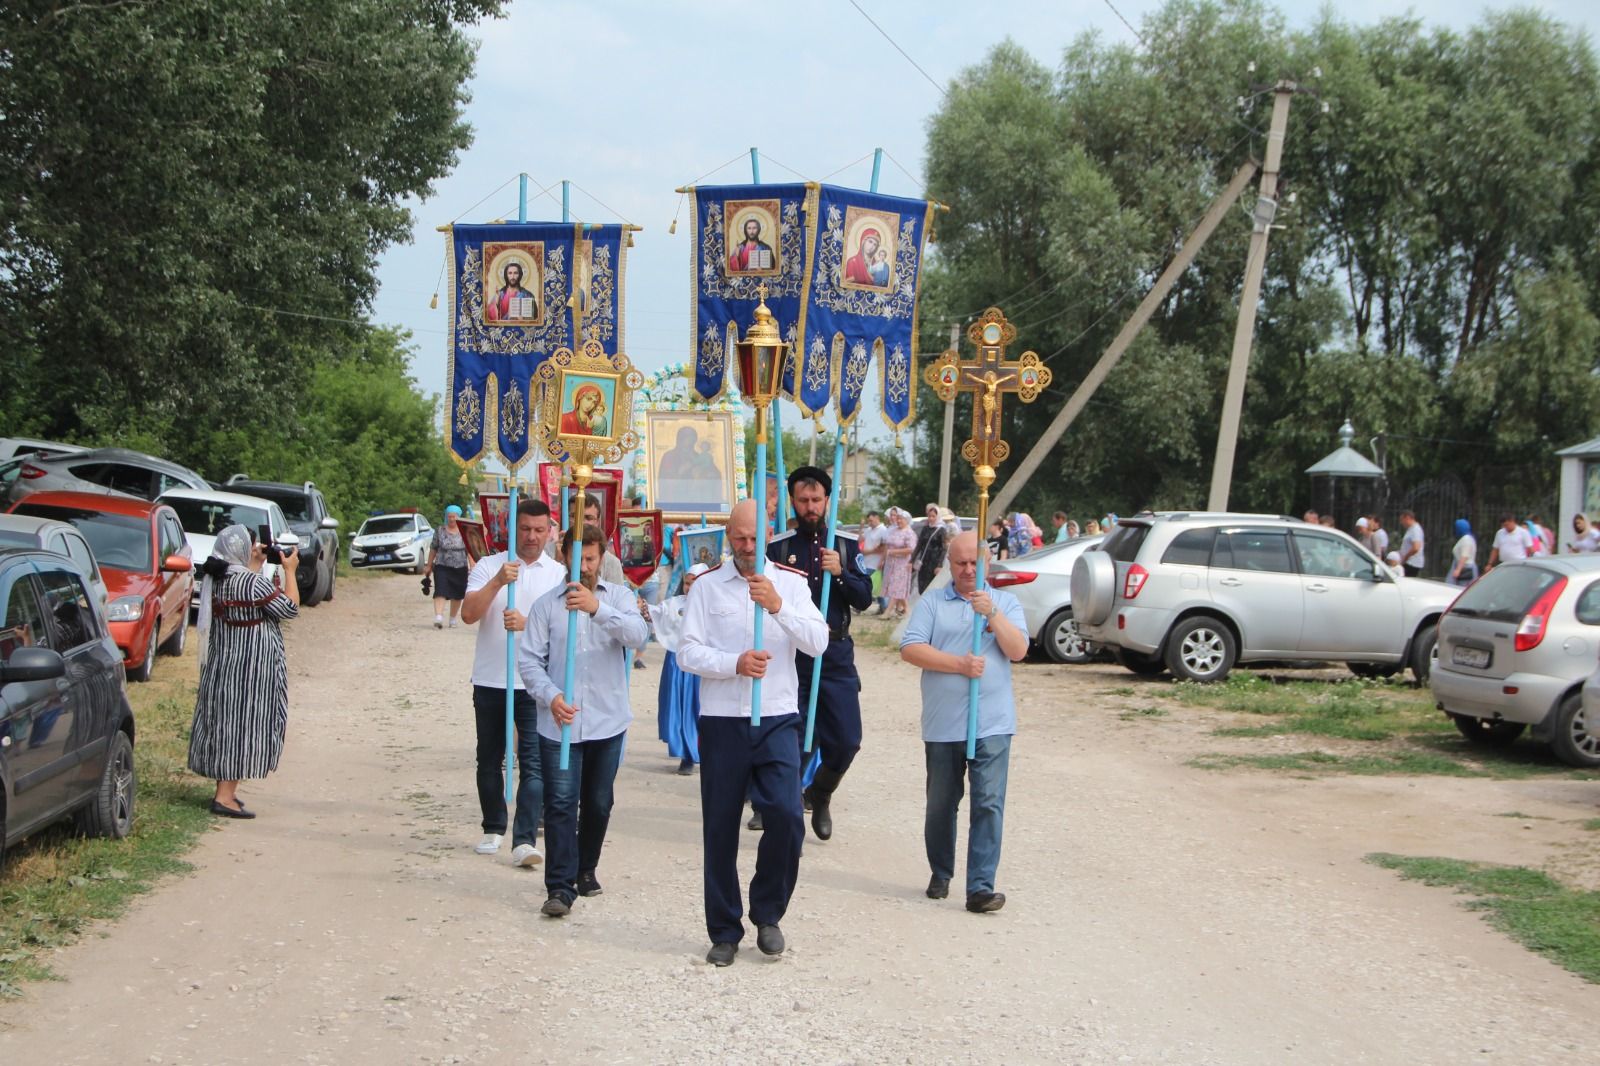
(781, 522)
(977, 646)
(574, 574)
(566, 201)
(755, 166)
(827, 584)
(761, 560)
(877, 166)
(511, 587)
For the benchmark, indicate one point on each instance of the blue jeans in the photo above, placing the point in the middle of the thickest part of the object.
(577, 809)
(489, 709)
(947, 765)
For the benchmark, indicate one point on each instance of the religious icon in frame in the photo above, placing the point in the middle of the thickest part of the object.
(701, 544)
(639, 543)
(690, 462)
(871, 239)
(750, 237)
(588, 404)
(513, 281)
(494, 509)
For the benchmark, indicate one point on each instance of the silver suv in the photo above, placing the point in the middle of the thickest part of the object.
(1195, 593)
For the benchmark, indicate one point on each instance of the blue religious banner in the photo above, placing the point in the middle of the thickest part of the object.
(861, 301)
(745, 237)
(517, 292)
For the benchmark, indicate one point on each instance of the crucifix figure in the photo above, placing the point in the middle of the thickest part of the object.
(989, 377)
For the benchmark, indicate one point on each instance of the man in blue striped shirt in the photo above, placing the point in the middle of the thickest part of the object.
(577, 800)
(938, 640)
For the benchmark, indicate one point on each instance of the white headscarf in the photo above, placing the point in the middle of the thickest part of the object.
(233, 546)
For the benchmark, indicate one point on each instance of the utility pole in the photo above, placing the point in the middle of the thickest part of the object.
(1245, 328)
(949, 429)
(1125, 337)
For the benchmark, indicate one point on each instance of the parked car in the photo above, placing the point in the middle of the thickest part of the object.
(147, 565)
(205, 514)
(12, 447)
(100, 470)
(317, 529)
(1196, 593)
(1514, 652)
(46, 533)
(1042, 582)
(66, 729)
(392, 542)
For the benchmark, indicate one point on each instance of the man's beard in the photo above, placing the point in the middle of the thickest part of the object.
(745, 564)
(810, 525)
(589, 581)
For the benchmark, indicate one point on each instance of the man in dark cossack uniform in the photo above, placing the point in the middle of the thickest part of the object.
(838, 728)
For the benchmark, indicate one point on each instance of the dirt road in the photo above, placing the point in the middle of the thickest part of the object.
(1157, 913)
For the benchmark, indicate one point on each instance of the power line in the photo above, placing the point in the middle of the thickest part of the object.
(1128, 24)
(897, 48)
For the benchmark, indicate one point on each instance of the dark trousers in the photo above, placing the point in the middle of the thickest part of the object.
(837, 733)
(577, 809)
(737, 758)
(489, 708)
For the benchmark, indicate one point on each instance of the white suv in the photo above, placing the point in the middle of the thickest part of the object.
(1195, 593)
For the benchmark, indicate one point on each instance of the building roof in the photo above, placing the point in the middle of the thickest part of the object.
(1585, 450)
(1345, 461)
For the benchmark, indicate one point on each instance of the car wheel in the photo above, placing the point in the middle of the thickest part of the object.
(316, 593)
(1424, 652)
(1490, 732)
(1201, 649)
(1570, 739)
(175, 643)
(1062, 642)
(1143, 665)
(110, 813)
(1373, 670)
(143, 671)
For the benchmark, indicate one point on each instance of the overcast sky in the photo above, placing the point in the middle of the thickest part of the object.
(629, 99)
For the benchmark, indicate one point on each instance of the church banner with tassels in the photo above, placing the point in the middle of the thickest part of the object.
(517, 293)
(861, 301)
(745, 236)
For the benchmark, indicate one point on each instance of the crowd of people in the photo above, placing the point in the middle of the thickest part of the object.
(1516, 537)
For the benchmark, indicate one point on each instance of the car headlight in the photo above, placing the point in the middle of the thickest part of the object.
(125, 609)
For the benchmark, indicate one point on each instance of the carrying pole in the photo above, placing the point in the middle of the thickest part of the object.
(511, 586)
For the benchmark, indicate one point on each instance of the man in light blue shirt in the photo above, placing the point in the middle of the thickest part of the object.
(577, 800)
(938, 639)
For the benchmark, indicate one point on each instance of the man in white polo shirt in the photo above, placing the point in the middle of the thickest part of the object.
(485, 604)
(1511, 542)
(737, 757)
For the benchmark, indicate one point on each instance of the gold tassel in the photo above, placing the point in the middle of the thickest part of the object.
(897, 436)
(672, 228)
(433, 304)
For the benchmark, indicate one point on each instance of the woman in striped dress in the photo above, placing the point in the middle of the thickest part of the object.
(243, 705)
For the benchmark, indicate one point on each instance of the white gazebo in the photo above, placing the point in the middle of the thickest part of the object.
(1580, 486)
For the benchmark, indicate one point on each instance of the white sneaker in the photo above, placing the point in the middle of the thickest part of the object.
(438, 621)
(489, 844)
(452, 623)
(526, 855)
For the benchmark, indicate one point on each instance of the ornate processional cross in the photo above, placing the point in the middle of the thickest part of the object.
(988, 376)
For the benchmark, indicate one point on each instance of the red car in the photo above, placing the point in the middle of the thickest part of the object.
(146, 562)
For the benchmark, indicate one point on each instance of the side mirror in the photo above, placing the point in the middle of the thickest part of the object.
(287, 539)
(1380, 572)
(176, 564)
(330, 522)
(33, 664)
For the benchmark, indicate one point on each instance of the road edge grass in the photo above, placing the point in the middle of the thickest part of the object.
(57, 884)
(1530, 906)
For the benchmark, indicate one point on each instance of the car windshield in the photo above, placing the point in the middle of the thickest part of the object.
(121, 542)
(296, 506)
(387, 525)
(210, 517)
(1505, 593)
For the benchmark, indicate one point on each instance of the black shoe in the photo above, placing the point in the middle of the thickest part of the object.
(555, 907)
(587, 885)
(819, 795)
(685, 767)
(985, 902)
(769, 938)
(722, 954)
(821, 820)
(755, 821)
(938, 887)
(229, 812)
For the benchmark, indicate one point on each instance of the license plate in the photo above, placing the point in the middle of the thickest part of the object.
(379, 557)
(1477, 658)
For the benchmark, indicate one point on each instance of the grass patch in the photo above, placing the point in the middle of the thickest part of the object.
(1593, 824)
(1140, 713)
(56, 883)
(1349, 710)
(1120, 690)
(1321, 762)
(1534, 909)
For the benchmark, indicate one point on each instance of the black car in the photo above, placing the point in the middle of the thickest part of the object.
(318, 531)
(66, 729)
